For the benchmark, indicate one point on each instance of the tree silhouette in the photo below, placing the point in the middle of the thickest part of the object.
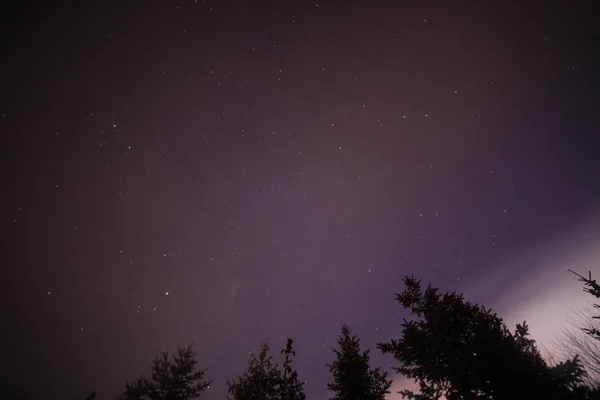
(176, 378)
(461, 350)
(582, 338)
(592, 287)
(291, 387)
(261, 379)
(574, 340)
(264, 380)
(353, 378)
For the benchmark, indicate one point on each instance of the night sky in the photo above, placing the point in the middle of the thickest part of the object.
(228, 171)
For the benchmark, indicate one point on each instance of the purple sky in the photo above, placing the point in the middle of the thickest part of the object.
(222, 172)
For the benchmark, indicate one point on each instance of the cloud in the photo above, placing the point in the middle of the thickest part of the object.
(542, 292)
(546, 294)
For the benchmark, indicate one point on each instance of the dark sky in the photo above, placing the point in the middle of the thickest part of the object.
(225, 171)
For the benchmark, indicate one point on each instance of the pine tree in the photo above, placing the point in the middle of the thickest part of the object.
(261, 379)
(264, 380)
(459, 350)
(582, 340)
(176, 378)
(291, 388)
(592, 287)
(353, 378)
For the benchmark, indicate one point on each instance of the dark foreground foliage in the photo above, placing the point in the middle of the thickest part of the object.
(265, 380)
(353, 377)
(176, 378)
(459, 350)
(451, 348)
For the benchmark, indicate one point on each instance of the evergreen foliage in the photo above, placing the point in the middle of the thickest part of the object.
(291, 387)
(459, 350)
(353, 378)
(176, 378)
(264, 380)
(592, 287)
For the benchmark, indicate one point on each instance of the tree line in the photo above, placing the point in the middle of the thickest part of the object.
(451, 348)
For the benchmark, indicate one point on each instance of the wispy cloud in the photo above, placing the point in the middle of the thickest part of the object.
(544, 293)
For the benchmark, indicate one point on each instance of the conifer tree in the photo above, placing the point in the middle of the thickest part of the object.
(458, 350)
(291, 388)
(592, 287)
(582, 337)
(353, 377)
(264, 380)
(176, 378)
(261, 379)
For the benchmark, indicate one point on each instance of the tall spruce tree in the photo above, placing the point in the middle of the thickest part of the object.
(353, 377)
(291, 388)
(176, 378)
(260, 380)
(459, 350)
(264, 380)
